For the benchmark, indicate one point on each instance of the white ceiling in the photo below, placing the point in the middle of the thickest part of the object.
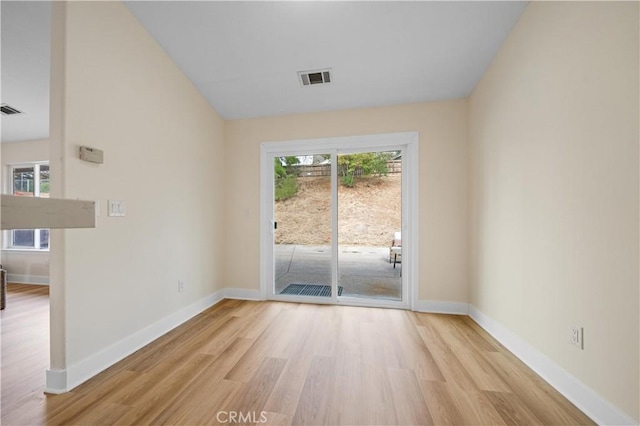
(244, 56)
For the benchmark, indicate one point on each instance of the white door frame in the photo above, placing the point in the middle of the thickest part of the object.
(408, 141)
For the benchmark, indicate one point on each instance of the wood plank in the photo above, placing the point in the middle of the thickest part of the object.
(255, 394)
(512, 410)
(441, 403)
(204, 405)
(314, 406)
(449, 365)
(349, 390)
(367, 397)
(476, 336)
(163, 388)
(477, 367)
(415, 352)
(408, 400)
(100, 414)
(250, 362)
(286, 394)
(475, 407)
(544, 402)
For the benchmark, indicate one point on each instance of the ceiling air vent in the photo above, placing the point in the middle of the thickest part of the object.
(9, 110)
(310, 78)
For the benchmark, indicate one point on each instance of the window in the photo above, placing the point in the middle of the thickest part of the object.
(30, 180)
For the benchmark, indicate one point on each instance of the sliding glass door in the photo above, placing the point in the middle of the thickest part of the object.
(370, 224)
(333, 223)
(302, 231)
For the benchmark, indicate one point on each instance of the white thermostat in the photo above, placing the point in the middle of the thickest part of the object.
(93, 155)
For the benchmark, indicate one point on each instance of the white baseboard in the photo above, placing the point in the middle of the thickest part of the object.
(61, 381)
(583, 397)
(28, 279)
(243, 294)
(439, 307)
(56, 381)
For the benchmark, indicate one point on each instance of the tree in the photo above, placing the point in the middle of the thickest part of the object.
(351, 166)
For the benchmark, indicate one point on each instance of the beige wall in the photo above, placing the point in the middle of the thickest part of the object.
(442, 129)
(554, 190)
(115, 89)
(24, 152)
(23, 266)
(26, 267)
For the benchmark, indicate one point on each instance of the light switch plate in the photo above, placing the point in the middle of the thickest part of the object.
(116, 208)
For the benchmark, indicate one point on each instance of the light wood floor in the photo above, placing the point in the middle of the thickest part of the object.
(299, 364)
(24, 348)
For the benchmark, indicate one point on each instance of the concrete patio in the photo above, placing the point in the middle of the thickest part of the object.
(363, 271)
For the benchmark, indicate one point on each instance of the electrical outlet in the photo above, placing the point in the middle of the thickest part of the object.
(180, 286)
(577, 336)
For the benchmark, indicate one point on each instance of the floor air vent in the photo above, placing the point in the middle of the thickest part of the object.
(310, 78)
(8, 110)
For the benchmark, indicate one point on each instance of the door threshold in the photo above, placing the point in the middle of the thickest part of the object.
(342, 301)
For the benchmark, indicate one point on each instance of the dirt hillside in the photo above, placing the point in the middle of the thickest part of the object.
(368, 213)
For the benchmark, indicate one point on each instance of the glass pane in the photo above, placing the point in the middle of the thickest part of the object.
(24, 238)
(44, 181)
(369, 224)
(302, 241)
(44, 238)
(23, 181)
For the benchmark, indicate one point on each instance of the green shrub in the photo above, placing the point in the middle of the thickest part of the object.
(278, 169)
(349, 180)
(286, 187)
